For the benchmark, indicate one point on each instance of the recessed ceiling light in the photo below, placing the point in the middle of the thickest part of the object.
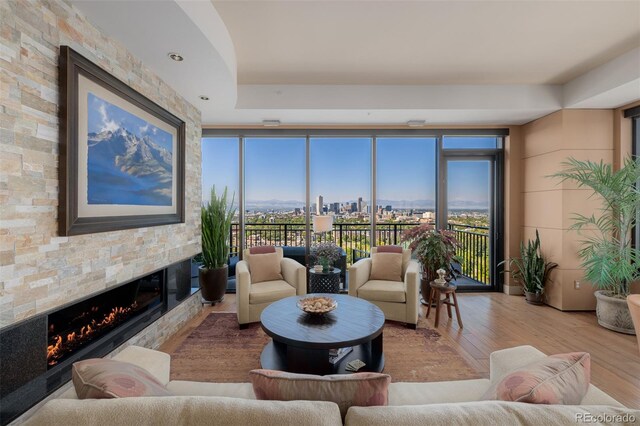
(270, 123)
(176, 56)
(416, 123)
(203, 98)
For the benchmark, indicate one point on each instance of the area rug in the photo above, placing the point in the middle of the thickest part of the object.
(217, 351)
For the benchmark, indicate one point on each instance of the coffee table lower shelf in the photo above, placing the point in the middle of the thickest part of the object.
(279, 356)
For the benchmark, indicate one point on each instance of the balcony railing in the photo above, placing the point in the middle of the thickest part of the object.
(474, 254)
(355, 239)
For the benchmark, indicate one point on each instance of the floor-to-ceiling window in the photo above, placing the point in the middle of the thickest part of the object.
(274, 191)
(373, 185)
(340, 187)
(221, 170)
(405, 185)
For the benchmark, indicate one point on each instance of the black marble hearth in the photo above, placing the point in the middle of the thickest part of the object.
(36, 355)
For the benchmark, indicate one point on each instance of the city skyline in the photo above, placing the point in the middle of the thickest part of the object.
(340, 171)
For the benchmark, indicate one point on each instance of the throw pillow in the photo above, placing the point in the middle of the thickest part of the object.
(389, 249)
(264, 267)
(107, 378)
(386, 266)
(346, 390)
(557, 379)
(262, 249)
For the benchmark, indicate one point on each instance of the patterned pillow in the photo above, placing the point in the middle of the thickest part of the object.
(557, 379)
(346, 390)
(107, 378)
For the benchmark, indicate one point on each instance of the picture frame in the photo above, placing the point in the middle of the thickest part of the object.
(122, 156)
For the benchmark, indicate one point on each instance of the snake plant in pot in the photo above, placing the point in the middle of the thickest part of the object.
(610, 260)
(531, 269)
(216, 224)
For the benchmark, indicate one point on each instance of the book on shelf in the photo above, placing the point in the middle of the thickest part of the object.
(336, 355)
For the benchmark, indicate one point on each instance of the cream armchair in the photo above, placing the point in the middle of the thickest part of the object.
(398, 300)
(252, 299)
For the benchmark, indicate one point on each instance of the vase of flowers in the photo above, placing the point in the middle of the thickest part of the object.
(325, 254)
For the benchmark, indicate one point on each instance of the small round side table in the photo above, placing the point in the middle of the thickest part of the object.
(324, 282)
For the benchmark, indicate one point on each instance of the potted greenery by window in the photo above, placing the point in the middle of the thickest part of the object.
(608, 256)
(216, 224)
(434, 249)
(532, 270)
(325, 254)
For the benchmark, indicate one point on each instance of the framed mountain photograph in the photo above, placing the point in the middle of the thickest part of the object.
(122, 156)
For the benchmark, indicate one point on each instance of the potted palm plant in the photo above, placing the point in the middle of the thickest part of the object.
(608, 255)
(532, 270)
(216, 224)
(434, 249)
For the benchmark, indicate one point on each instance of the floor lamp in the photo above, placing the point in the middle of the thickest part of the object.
(322, 224)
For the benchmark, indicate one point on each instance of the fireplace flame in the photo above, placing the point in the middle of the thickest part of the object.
(60, 345)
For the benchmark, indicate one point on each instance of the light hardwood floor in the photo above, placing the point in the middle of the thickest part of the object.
(495, 321)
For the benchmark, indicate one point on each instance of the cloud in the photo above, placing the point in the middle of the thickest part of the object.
(144, 129)
(108, 125)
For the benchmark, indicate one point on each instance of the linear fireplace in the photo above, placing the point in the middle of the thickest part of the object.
(37, 354)
(78, 325)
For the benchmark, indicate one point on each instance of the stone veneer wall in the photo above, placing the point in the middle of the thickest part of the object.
(151, 337)
(40, 270)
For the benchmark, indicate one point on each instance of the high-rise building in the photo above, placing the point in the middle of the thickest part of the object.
(319, 205)
(336, 208)
(354, 207)
(428, 215)
(359, 204)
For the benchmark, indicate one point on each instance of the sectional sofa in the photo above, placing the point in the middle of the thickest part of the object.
(441, 403)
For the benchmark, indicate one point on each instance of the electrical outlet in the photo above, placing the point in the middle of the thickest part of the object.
(576, 285)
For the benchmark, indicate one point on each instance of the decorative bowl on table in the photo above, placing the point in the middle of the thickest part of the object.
(317, 305)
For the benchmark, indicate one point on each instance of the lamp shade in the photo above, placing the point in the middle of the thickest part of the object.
(322, 223)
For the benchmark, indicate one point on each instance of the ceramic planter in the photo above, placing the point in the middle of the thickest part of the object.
(613, 313)
(425, 290)
(534, 298)
(213, 283)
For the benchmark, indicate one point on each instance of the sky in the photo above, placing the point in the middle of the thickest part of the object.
(103, 116)
(340, 169)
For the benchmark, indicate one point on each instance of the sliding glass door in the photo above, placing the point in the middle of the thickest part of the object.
(469, 212)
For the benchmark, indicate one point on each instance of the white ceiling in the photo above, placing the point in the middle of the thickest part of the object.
(384, 62)
(426, 42)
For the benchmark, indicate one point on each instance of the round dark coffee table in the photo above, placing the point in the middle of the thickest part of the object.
(301, 342)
